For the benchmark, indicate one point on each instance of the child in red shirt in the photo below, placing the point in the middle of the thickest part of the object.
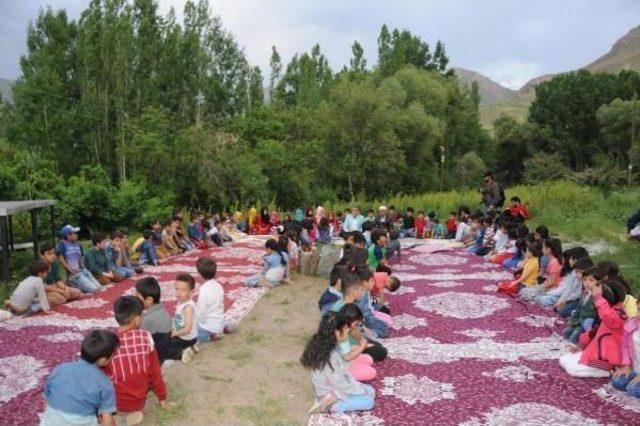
(383, 281)
(421, 224)
(451, 225)
(134, 367)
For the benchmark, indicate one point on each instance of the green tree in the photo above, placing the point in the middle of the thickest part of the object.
(511, 149)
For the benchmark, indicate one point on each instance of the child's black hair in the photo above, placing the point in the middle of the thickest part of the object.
(146, 234)
(583, 264)
(45, 248)
(207, 267)
(543, 231)
(187, 278)
(613, 291)
(432, 215)
(149, 287)
(612, 271)
(355, 257)
(272, 244)
(38, 266)
(394, 234)
(368, 226)
(516, 199)
(409, 209)
(512, 233)
(596, 272)
(336, 274)
(350, 281)
(97, 238)
(535, 249)
(352, 312)
(324, 224)
(98, 344)
(364, 273)
(283, 244)
(522, 230)
(555, 246)
(358, 238)
(126, 308)
(317, 352)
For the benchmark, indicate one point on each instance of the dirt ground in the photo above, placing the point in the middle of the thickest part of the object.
(250, 377)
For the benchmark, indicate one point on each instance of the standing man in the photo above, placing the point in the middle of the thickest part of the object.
(491, 197)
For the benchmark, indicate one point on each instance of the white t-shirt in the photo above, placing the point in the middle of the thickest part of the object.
(179, 320)
(462, 231)
(211, 307)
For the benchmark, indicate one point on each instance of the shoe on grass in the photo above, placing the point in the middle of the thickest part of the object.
(187, 355)
(323, 404)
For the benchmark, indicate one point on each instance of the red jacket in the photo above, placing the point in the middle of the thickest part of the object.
(134, 370)
(603, 351)
(627, 348)
(520, 210)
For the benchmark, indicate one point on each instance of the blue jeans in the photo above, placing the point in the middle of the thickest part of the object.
(123, 271)
(511, 263)
(623, 383)
(408, 233)
(572, 334)
(148, 253)
(357, 402)
(84, 281)
(568, 308)
(377, 326)
(547, 300)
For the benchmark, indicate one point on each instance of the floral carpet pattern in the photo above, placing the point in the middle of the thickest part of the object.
(461, 354)
(30, 347)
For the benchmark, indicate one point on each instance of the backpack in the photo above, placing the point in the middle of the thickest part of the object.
(500, 202)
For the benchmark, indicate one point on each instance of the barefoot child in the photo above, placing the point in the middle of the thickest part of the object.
(335, 389)
(134, 368)
(274, 270)
(210, 306)
(30, 296)
(77, 392)
(58, 292)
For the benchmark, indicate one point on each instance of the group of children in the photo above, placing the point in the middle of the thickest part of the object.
(355, 313)
(116, 370)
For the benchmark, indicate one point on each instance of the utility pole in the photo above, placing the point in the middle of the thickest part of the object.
(442, 167)
(634, 112)
(199, 104)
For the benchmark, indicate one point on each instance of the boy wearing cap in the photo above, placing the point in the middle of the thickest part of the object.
(71, 256)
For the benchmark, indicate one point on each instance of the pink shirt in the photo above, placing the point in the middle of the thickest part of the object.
(553, 270)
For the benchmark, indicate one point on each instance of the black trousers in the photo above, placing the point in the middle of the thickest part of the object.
(377, 351)
(170, 348)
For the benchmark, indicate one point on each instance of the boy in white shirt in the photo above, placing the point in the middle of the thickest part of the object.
(30, 295)
(210, 305)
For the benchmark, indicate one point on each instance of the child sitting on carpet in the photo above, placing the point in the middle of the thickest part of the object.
(530, 268)
(378, 322)
(99, 264)
(210, 306)
(438, 231)
(359, 364)
(147, 249)
(612, 272)
(601, 352)
(30, 296)
(572, 289)
(378, 251)
(335, 389)
(571, 285)
(394, 246)
(156, 320)
(451, 226)
(553, 250)
(421, 225)
(58, 292)
(184, 334)
(273, 273)
(134, 368)
(333, 293)
(627, 377)
(78, 391)
(383, 281)
(583, 317)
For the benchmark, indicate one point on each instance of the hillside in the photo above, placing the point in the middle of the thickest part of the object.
(490, 91)
(5, 89)
(624, 54)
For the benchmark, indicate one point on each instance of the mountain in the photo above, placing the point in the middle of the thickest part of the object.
(624, 55)
(490, 91)
(5, 89)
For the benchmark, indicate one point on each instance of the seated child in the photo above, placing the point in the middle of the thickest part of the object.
(335, 389)
(627, 376)
(117, 254)
(393, 246)
(134, 368)
(383, 281)
(359, 364)
(612, 272)
(324, 231)
(378, 251)
(553, 249)
(569, 300)
(292, 249)
(367, 229)
(462, 230)
(602, 353)
(408, 224)
(170, 241)
(584, 316)
(421, 225)
(516, 259)
(184, 333)
(99, 264)
(428, 231)
(438, 231)
(157, 234)
(71, 255)
(529, 274)
(332, 294)
(147, 249)
(569, 282)
(197, 235)
(78, 391)
(210, 306)
(275, 263)
(58, 292)
(374, 323)
(156, 321)
(451, 225)
(477, 246)
(30, 296)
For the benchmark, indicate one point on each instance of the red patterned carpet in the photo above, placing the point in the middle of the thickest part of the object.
(460, 354)
(30, 347)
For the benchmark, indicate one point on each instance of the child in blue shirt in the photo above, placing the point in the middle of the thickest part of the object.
(77, 392)
(275, 262)
(379, 327)
(332, 294)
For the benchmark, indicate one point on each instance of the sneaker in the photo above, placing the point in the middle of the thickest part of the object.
(196, 348)
(323, 404)
(187, 355)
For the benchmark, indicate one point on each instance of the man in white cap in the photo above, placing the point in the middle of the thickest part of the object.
(383, 221)
(71, 255)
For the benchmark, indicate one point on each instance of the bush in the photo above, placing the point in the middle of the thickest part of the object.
(543, 167)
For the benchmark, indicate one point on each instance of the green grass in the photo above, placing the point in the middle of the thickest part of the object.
(242, 356)
(266, 412)
(177, 408)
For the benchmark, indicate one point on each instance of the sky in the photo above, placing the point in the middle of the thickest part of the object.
(510, 41)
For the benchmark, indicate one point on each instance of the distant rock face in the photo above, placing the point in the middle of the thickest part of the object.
(490, 91)
(624, 55)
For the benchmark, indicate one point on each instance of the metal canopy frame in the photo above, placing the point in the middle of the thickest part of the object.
(10, 208)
